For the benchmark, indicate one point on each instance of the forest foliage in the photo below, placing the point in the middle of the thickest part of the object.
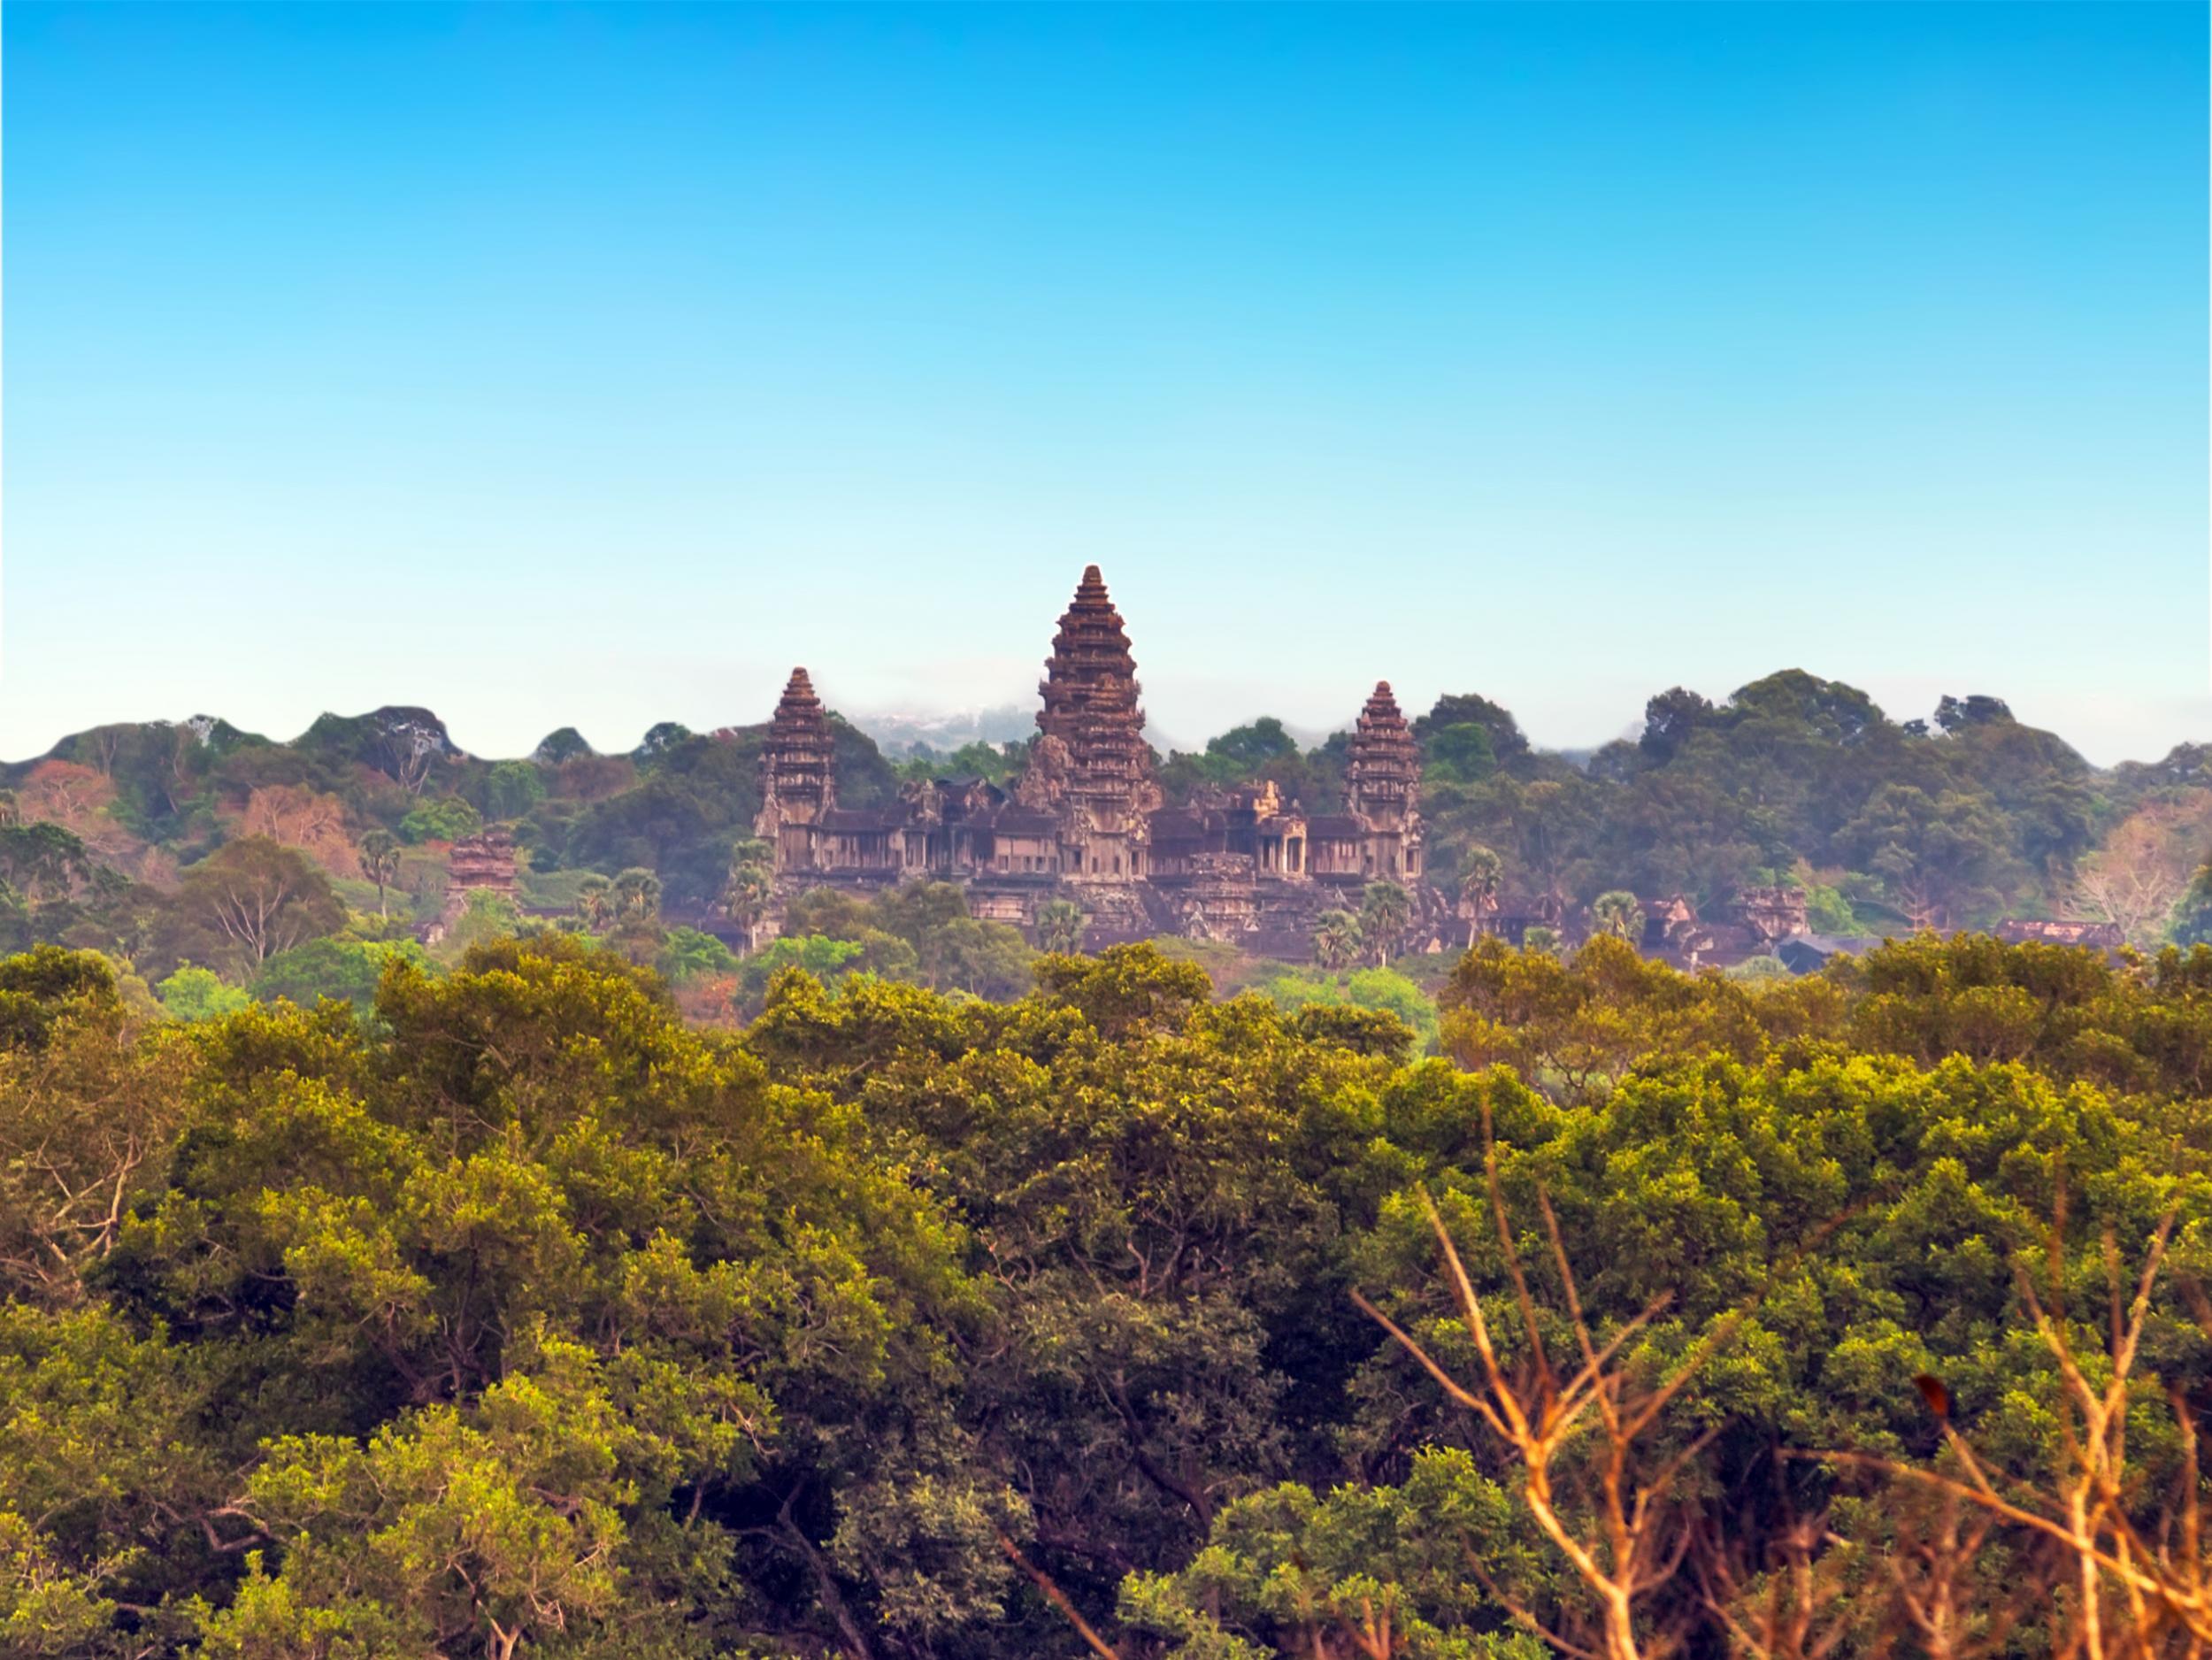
(509, 1314)
(195, 844)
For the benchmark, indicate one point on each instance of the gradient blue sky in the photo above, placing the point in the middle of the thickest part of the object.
(592, 365)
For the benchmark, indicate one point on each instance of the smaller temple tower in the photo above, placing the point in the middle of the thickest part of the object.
(1382, 789)
(798, 784)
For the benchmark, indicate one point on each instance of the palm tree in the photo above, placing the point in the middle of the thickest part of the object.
(380, 860)
(636, 896)
(1060, 925)
(1386, 911)
(1540, 938)
(1478, 884)
(11, 811)
(1618, 914)
(595, 902)
(1336, 940)
(751, 885)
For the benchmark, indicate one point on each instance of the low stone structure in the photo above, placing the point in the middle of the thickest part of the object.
(1512, 919)
(1773, 913)
(481, 864)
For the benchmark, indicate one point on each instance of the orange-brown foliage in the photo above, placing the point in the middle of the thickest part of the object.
(297, 817)
(77, 797)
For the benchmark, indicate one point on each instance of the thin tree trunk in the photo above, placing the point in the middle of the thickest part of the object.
(825, 1589)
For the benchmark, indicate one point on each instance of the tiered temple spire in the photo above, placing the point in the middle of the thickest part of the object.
(1090, 687)
(1384, 768)
(1382, 787)
(1090, 694)
(797, 783)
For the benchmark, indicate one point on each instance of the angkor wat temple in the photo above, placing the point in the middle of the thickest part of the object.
(1087, 820)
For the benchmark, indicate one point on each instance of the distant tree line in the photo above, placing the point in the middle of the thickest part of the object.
(193, 844)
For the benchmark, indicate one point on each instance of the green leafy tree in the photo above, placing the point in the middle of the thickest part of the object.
(45, 861)
(1482, 872)
(1251, 748)
(192, 994)
(1060, 926)
(380, 862)
(1957, 714)
(596, 904)
(510, 788)
(750, 889)
(1359, 1571)
(1938, 856)
(661, 738)
(348, 970)
(243, 904)
(1460, 753)
(91, 1097)
(1828, 911)
(2191, 923)
(1148, 1317)
(548, 1364)
(636, 897)
(1337, 939)
(816, 956)
(679, 814)
(1619, 914)
(1669, 720)
(486, 917)
(438, 818)
(998, 762)
(691, 955)
(634, 900)
(1372, 988)
(566, 744)
(1504, 740)
(1386, 912)
(482, 1528)
(942, 945)
(1575, 1027)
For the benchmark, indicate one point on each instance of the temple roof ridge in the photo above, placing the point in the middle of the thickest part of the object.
(798, 692)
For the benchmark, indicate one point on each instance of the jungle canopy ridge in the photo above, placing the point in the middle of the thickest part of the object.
(295, 869)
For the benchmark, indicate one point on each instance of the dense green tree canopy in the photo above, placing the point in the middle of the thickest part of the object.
(244, 904)
(514, 1316)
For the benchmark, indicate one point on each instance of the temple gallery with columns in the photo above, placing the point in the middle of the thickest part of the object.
(1088, 821)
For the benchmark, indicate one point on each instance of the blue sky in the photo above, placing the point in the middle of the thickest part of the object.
(593, 364)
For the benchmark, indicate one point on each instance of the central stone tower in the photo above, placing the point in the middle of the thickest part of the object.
(1092, 762)
(1382, 789)
(798, 779)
